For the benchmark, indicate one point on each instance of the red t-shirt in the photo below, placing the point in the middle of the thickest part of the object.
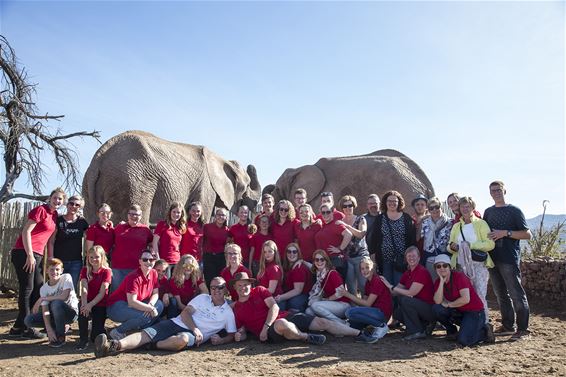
(163, 285)
(329, 235)
(191, 241)
(272, 272)
(242, 238)
(45, 219)
(419, 275)
(332, 281)
(187, 291)
(214, 238)
(337, 215)
(169, 241)
(226, 275)
(257, 242)
(299, 274)
(383, 302)
(128, 244)
(135, 283)
(253, 312)
(283, 235)
(460, 281)
(103, 275)
(101, 236)
(306, 239)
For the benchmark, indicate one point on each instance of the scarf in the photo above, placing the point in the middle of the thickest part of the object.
(430, 238)
(316, 290)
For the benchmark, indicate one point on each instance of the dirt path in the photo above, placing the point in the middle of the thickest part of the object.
(542, 355)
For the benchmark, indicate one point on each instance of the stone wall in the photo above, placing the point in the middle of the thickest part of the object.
(544, 279)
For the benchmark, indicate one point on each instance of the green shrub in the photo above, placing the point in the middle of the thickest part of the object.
(546, 242)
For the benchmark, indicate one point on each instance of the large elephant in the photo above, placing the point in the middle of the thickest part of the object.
(137, 167)
(359, 176)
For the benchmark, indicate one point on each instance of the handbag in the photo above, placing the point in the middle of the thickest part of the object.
(477, 255)
(399, 262)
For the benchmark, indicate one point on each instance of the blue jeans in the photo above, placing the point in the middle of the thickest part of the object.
(472, 324)
(130, 318)
(354, 278)
(73, 267)
(298, 302)
(361, 316)
(118, 275)
(61, 314)
(173, 308)
(511, 297)
(391, 274)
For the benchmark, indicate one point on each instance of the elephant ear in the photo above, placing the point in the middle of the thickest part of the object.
(222, 177)
(309, 177)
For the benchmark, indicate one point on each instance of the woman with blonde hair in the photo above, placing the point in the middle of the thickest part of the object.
(270, 273)
(95, 278)
(297, 281)
(168, 234)
(186, 282)
(234, 265)
(101, 232)
(283, 228)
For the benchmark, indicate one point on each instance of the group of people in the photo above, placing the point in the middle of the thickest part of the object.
(277, 277)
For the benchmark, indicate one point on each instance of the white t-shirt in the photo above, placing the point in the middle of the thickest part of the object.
(209, 318)
(469, 233)
(65, 282)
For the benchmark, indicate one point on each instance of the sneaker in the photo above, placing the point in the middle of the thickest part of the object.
(365, 338)
(82, 345)
(502, 331)
(117, 335)
(16, 332)
(316, 339)
(521, 335)
(415, 336)
(395, 325)
(60, 342)
(489, 335)
(32, 333)
(101, 346)
(380, 331)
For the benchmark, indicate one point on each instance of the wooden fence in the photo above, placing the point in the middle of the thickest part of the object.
(12, 218)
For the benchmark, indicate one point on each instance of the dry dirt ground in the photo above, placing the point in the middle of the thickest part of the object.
(543, 355)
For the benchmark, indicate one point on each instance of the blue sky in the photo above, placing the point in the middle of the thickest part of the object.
(472, 91)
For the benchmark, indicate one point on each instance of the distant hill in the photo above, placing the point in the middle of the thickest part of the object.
(549, 221)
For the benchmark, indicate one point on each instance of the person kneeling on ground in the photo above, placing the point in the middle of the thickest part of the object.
(200, 320)
(457, 303)
(58, 302)
(256, 311)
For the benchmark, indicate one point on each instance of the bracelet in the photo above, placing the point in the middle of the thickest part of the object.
(267, 325)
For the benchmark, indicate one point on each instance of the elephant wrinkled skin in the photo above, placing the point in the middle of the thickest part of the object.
(373, 173)
(136, 167)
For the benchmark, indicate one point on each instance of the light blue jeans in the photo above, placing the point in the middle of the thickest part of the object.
(354, 279)
(130, 318)
(73, 268)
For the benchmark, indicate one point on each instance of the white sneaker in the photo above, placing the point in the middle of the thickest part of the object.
(117, 335)
(379, 332)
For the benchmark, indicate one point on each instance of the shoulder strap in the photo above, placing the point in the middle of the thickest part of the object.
(462, 233)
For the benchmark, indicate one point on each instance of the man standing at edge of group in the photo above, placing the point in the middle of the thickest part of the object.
(508, 227)
(371, 215)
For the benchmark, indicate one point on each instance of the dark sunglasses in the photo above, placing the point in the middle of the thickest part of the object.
(319, 260)
(148, 259)
(347, 206)
(284, 209)
(218, 287)
(292, 251)
(73, 204)
(134, 214)
(326, 212)
(433, 208)
(441, 265)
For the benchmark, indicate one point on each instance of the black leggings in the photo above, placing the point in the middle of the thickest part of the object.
(213, 264)
(98, 316)
(28, 284)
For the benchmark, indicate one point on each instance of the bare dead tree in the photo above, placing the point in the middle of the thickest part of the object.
(25, 136)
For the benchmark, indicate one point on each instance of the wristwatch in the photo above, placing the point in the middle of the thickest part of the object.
(509, 233)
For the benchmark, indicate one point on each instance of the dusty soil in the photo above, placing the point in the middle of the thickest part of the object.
(542, 355)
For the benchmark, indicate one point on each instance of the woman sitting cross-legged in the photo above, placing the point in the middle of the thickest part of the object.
(297, 281)
(375, 307)
(58, 303)
(457, 303)
(135, 304)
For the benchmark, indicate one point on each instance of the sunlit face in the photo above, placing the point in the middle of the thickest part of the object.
(497, 192)
(466, 209)
(195, 212)
(264, 224)
(243, 288)
(292, 254)
(268, 253)
(54, 272)
(453, 204)
(233, 256)
(267, 205)
(348, 207)
(442, 269)
(56, 200)
(243, 214)
(300, 199)
(160, 270)
(326, 212)
(373, 206)
(176, 214)
(217, 289)
(134, 217)
(392, 203)
(94, 259)
(104, 214)
(365, 269)
(327, 200)
(283, 210)
(146, 261)
(305, 214)
(220, 217)
(319, 261)
(420, 207)
(412, 258)
(435, 211)
(73, 206)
